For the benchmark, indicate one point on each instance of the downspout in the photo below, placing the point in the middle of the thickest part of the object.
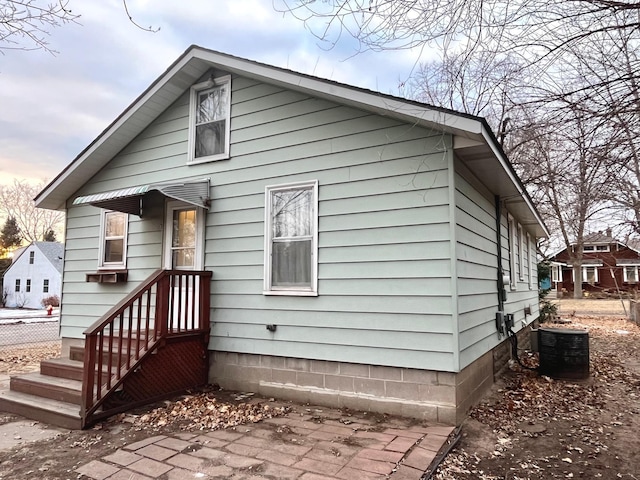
(502, 294)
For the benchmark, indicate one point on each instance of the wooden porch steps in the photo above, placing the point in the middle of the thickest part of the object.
(148, 346)
(52, 395)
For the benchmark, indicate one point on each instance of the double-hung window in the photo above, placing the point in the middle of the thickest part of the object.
(513, 252)
(17, 286)
(291, 239)
(590, 275)
(630, 273)
(32, 256)
(28, 287)
(556, 273)
(45, 285)
(113, 240)
(209, 128)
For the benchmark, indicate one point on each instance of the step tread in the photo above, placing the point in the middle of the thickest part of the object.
(47, 380)
(70, 410)
(63, 361)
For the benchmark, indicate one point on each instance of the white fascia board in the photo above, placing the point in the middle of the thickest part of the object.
(345, 94)
(42, 198)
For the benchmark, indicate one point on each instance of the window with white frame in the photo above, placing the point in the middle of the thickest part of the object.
(530, 265)
(596, 248)
(291, 239)
(113, 240)
(520, 252)
(513, 249)
(45, 285)
(210, 113)
(590, 274)
(556, 273)
(32, 256)
(28, 286)
(630, 273)
(17, 286)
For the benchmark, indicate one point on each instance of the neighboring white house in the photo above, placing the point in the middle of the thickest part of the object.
(36, 273)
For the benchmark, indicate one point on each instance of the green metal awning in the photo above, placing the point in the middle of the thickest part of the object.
(131, 199)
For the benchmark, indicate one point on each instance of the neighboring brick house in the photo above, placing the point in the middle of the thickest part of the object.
(608, 265)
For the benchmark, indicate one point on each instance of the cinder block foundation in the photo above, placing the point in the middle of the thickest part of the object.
(443, 397)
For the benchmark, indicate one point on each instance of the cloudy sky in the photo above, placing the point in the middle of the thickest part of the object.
(51, 107)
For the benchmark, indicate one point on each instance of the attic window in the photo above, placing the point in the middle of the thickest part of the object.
(209, 117)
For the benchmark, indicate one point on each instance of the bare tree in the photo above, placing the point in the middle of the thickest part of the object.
(543, 34)
(16, 200)
(25, 25)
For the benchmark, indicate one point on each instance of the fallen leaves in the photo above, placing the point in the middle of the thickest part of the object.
(17, 360)
(205, 411)
(536, 427)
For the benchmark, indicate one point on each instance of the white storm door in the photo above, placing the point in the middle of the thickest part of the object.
(184, 232)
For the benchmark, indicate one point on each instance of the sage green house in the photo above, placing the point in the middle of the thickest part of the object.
(365, 249)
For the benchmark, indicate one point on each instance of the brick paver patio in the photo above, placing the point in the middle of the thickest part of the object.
(295, 447)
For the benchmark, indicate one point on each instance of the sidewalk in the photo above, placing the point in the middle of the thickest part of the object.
(292, 447)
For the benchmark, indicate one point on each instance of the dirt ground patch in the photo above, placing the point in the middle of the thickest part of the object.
(570, 306)
(534, 427)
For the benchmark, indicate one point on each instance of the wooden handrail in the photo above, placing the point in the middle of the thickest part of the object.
(168, 303)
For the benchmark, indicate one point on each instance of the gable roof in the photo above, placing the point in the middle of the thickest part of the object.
(474, 142)
(52, 251)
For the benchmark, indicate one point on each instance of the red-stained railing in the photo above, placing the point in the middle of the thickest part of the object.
(169, 304)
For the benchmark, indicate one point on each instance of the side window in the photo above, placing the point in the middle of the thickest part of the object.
(17, 288)
(45, 286)
(28, 286)
(113, 240)
(519, 252)
(209, 120)
(32, 256)
(512, 253)
(530, 260)
(291, 239)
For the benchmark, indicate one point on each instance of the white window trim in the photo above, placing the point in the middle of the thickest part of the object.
(530, 260)
(268, 289)
(556, 273)
(512, 254)
(520, 245)
(626, 277)
(195, 90)
(584, 273)
(45, 285)
(102, 265)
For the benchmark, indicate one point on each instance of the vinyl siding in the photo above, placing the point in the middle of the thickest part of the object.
(476, 266)
(384, 230)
